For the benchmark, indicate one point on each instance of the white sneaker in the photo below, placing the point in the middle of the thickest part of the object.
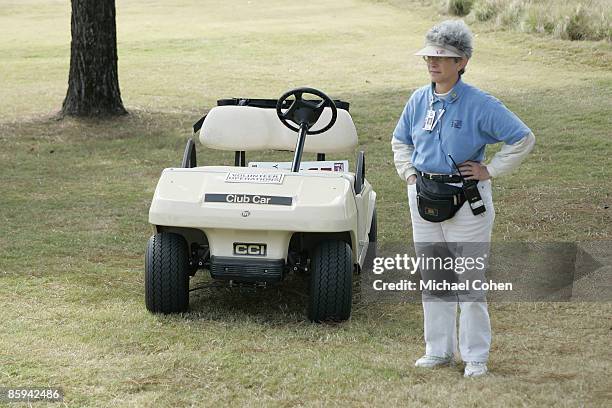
(475, 369)
(433, 361)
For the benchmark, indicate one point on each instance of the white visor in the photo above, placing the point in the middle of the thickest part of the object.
(435, 50)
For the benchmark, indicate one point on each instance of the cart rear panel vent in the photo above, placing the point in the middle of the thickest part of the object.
(250, 270)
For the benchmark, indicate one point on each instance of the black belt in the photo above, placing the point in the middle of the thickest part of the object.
(442, 178)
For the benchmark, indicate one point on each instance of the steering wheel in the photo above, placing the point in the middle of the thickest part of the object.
(305, 112)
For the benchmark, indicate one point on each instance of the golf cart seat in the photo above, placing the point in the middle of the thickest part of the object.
(247, 128)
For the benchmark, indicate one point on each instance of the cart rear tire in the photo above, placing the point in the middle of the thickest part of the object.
(331, 282)
(167, 274)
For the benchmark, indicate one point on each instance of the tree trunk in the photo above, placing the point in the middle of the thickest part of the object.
(93, 84)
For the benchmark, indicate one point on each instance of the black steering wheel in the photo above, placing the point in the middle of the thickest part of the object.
(305, 112)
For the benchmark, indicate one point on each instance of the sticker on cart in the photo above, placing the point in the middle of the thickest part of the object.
(254, 178)
(329, 165)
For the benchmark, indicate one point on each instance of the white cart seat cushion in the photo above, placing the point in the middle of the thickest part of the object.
(249, 128)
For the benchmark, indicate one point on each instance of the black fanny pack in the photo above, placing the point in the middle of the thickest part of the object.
(437, 201)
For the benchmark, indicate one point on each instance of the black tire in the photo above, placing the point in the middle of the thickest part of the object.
(167, 274)
(331, 282)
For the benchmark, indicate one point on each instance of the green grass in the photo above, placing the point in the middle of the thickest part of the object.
(75, 196)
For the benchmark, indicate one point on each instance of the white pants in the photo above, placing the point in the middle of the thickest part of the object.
(440, 312)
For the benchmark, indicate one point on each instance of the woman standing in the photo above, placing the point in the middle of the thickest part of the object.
(439, 143)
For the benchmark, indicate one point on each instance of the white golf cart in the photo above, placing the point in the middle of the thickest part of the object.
(257, 223)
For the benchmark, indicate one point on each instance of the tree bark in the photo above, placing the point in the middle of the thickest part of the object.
(93, 83)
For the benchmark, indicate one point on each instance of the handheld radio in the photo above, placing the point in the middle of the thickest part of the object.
(472, 195)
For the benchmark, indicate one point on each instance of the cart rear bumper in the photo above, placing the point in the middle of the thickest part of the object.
(248, 270)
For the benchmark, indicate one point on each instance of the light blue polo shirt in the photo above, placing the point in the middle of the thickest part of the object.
(472, 119)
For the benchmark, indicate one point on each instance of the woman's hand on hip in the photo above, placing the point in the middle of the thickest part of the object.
(472, 170)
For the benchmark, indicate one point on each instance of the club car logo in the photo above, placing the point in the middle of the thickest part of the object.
(248, 249)
(247, 199)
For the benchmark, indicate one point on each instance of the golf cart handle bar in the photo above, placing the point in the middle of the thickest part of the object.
(271, 103)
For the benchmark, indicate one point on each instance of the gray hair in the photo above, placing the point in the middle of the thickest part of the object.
(454, 33)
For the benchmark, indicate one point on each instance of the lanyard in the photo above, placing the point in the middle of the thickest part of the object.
(431, 121)
(441, 112)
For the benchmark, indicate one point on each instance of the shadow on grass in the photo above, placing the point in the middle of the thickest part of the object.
(138, 123)
(283, 303)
